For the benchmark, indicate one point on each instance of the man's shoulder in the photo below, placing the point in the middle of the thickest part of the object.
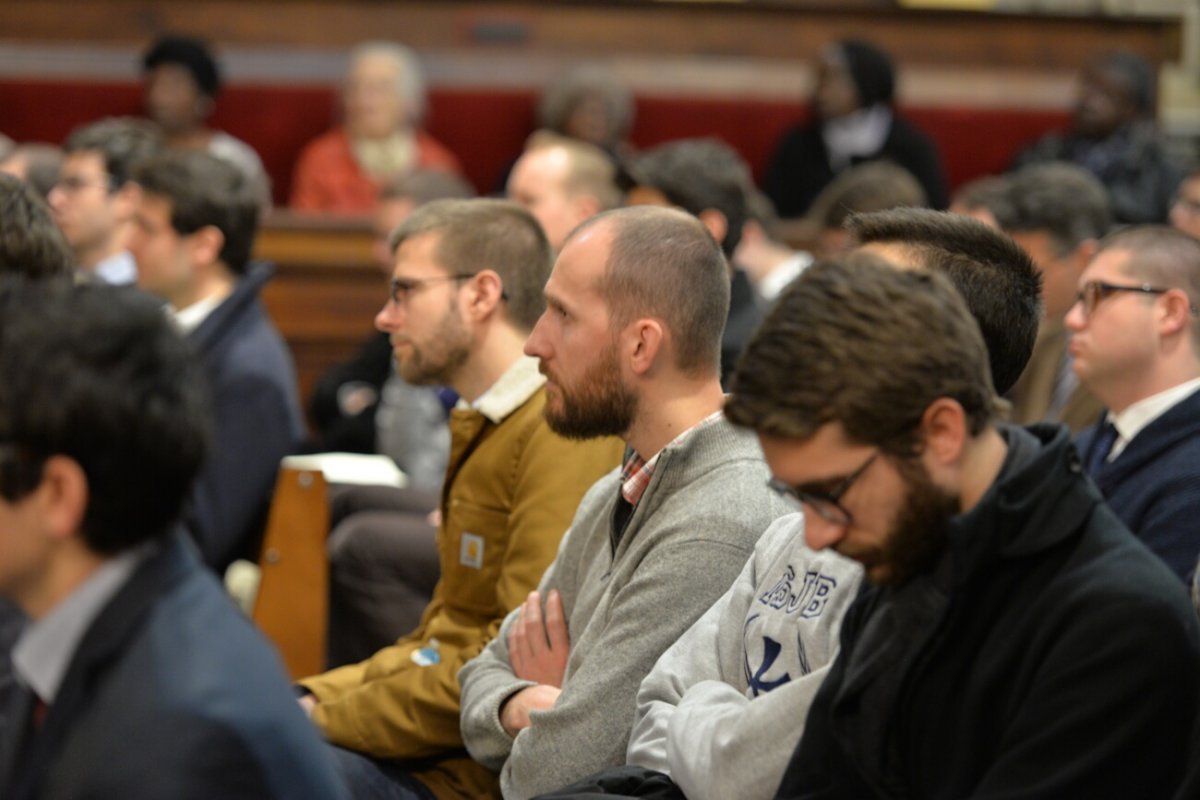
(715, 453)
(1108, 575)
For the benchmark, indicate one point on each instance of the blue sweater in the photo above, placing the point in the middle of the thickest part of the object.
(1154, 484)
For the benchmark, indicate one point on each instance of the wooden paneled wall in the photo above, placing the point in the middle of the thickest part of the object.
(774, 30)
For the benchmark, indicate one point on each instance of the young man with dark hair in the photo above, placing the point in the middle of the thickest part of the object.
(195, 222)
(630, 344)
(997, 279)
(140, 678)
(1135, 339)
(1015, 639)
(94, 198)
(467, 283)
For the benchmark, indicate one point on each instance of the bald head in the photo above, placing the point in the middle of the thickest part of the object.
(562, 183)
(664, 263)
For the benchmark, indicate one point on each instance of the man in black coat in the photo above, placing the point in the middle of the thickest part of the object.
(138, 678)
(1015, 639)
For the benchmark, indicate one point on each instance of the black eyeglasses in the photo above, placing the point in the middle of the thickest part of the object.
(1093, 292)
(826, 504)
(400, 289)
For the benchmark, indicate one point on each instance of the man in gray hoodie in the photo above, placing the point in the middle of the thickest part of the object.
(630, 345)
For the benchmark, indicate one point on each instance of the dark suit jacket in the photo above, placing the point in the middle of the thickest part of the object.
(258, 422)
(1154, 484)
(171, 694)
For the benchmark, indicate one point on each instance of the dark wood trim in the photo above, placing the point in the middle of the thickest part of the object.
(773, 30)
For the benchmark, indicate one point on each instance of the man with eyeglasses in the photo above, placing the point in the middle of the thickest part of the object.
(722, 710)
(466, 289)
(630, 343)
(1013, 639)
(94, 198)
(1135, 340)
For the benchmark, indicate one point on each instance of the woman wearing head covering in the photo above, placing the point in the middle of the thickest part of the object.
(379, 139)
(853, 121)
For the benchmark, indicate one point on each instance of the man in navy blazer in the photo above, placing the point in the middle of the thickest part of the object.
(1135, 338)
(138, 678)
(194, 228)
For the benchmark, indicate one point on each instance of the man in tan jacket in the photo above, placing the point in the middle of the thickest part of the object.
(466, 290)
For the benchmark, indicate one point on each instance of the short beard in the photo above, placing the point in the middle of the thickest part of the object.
(600, 406)
(438, 362)
(919, 531)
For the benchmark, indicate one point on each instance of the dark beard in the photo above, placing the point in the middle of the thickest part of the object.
(600, 406)
(918, 535)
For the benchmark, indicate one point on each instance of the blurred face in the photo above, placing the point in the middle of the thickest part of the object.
(164, 257)
(84, 207)
(24, 554)
(836, 94)
(374, 106)
(1060, 273)
(1116, 343)
(1104, 102)
(173, 100)
(589, 121)
(430, 340)
(1185, 212)
(897, 516)
(586, 393)
(538, 182)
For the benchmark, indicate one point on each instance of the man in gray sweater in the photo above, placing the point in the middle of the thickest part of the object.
(630, 345)
(704, 717)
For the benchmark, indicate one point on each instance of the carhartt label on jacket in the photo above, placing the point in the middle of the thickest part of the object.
(470, 552)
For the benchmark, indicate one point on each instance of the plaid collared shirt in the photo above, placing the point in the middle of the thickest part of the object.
(636, 472)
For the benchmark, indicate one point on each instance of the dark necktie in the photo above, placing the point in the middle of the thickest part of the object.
(1106, 435)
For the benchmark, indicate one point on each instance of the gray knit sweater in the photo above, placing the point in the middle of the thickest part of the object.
(684, 545)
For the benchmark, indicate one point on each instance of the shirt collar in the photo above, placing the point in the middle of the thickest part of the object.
(1130, 422)
(45, 649)
(636, 472)
(787, 271)
(188, 319)
(518, 383)
(117, 269)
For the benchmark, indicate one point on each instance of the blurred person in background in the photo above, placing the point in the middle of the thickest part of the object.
(383, 102)
(853, 119)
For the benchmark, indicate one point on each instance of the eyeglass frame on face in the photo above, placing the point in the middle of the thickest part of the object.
(71, 184)
(827, 505)
(400, 289)
(1093, 293)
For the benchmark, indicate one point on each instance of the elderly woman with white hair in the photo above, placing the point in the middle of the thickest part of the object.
(380, 138)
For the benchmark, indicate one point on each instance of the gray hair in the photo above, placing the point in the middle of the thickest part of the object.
(410, 80)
